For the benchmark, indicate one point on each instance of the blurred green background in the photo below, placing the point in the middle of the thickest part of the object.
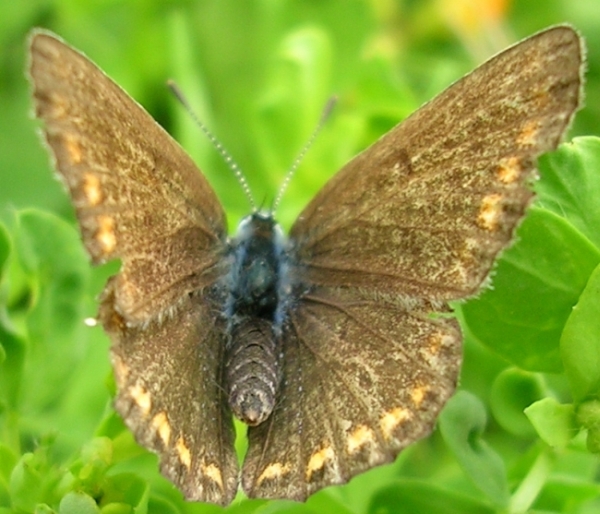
(258, 73)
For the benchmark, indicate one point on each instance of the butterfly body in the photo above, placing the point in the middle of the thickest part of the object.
(336, 346)
(258, 290)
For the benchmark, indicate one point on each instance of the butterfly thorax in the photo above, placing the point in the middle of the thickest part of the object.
(252, 367)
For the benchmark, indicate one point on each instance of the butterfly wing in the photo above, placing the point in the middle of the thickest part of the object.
(140, 198)
(365, 376)
(415, 220)
(425, 210)
(169, 377)
(137, 195)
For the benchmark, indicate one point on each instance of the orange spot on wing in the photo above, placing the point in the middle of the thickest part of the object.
(91, 189)
(391, 419)
(73, 148)
(184, 453)
(528, 135)
(509, 170)
(106, 234)
(490, 212)
(318, 460)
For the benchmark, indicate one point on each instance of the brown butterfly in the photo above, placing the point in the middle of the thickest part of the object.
(324, 343)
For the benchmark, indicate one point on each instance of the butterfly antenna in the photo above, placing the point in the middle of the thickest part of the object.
(288, 176)
(215, 142)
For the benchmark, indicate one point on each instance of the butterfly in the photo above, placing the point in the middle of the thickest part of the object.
(333, 344)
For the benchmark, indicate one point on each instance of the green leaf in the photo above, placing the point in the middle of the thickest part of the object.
(42, 508)
(593, 440)
(533, 482)
(124, 508)
(127, 488)
(570, 185)
(512, 391)
(26, 482)
(5, 248)
(328, 502)
(419, 497)
(95, 459)
(278, 507)
(535, 285)
(580, 342)
(8, 459)
(588, 415)
(51, 252)
(11, 365)
(554, 422)
(462, 423)
(78, 503)
(59, 384)
(568, 494)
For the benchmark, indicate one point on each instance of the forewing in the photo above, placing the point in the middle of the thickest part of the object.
(425, 210)
(137, 195)
(170, 395)
(364, 377)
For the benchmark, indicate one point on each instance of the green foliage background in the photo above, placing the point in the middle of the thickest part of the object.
(523, 432)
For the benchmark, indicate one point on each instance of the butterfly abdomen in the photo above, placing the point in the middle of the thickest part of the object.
(252, 370)
(252, 367)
